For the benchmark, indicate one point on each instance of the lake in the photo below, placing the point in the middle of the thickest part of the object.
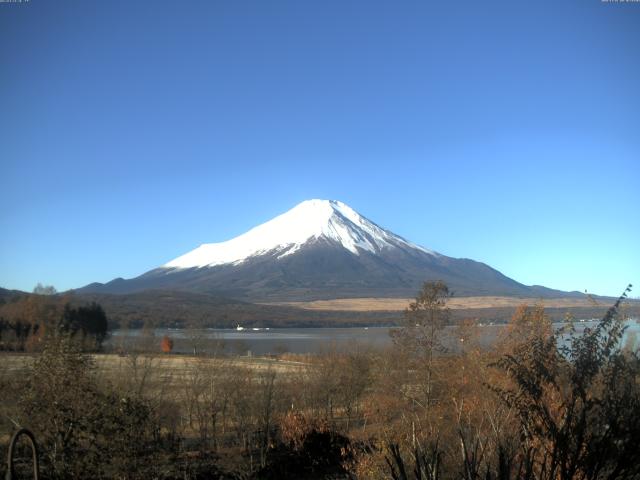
(298, 340)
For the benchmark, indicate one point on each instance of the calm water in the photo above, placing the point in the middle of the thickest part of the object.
(297, 340)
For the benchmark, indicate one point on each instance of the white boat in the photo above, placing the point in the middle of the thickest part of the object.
(239, 328)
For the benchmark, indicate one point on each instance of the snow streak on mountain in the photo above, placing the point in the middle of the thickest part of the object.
(309, 221)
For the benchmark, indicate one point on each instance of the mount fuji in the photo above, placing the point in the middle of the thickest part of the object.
(320, 249)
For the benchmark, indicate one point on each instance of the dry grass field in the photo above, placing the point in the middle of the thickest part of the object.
(176, 366)
(459, 303)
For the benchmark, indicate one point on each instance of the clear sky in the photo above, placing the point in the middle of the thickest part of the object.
(503, 131)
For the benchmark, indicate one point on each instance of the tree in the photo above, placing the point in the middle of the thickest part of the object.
(421, 333)
(527, 322)
(166, 344)
(266, 396)
(323, 383)
(90, 321)
(40, 289)
(354, 377)
(24, 320)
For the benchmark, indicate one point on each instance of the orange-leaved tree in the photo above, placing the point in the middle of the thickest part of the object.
(166, 344)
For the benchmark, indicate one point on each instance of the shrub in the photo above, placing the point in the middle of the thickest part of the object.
(86, 431)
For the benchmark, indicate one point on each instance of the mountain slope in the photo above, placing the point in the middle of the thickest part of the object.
(319, 249)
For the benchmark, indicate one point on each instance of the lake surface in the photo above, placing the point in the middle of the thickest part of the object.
(299, 340)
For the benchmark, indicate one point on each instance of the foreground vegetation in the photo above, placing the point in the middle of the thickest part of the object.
(542, 404)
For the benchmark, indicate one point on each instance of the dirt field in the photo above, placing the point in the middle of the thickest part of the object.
(461, 303)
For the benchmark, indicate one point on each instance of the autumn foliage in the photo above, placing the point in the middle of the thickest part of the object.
(166, 344)
(542, 402)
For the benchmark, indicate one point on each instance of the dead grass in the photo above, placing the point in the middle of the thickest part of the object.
(459, 303)
(169, 365)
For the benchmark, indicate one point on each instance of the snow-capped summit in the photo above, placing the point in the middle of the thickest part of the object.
(284, 235)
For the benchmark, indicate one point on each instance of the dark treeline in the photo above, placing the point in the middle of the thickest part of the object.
(530, 408)
(26, 321)
(157, 308)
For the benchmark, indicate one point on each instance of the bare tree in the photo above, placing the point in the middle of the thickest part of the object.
(266, 405)
(420, 336)
(353, 379)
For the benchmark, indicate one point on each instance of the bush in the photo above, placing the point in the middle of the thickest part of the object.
(86, 431)
(309, 450)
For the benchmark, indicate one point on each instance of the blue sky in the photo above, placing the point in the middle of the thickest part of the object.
(507, 132)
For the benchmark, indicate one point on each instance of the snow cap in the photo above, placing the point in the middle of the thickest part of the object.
(287, 233)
